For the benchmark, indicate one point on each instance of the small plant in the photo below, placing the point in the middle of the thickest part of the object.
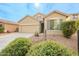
(19, 47)
(1, 29)
(36, 34)
(68, 28)
(49, 48)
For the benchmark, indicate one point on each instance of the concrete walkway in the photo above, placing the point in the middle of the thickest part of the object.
(5, 40)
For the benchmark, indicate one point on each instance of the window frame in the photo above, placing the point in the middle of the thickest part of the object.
(54, 20)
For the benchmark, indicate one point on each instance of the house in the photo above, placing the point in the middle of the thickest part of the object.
(8, 25)
(40, 23)
(49, 23)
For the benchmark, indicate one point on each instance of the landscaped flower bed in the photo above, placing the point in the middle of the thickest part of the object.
(24, 46)
(19, 47)
(49, 48)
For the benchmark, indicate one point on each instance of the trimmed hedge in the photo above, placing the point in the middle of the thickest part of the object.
(68, 28)
(49, 48)
(19, 47)
(1, 29)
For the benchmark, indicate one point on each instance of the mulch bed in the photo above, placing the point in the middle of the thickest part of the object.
(70, 43)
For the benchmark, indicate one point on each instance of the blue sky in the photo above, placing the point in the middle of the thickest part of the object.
(16, 11)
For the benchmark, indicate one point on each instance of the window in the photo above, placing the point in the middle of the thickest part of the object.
(58, 24)
(50, 25)
(54, 24)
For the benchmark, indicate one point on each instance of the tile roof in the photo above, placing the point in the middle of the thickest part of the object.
(57, 11)
(26, 17)
(6, 21)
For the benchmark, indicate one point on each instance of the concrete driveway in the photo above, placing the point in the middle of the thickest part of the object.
(5, 40)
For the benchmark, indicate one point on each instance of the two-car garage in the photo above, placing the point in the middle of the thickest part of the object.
(29, 25)
(29, 28)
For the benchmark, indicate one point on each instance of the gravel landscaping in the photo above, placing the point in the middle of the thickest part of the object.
(70, 43)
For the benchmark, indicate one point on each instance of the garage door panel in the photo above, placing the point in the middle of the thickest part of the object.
(29, 29)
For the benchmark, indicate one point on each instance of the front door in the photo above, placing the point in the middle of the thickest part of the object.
(42, 28)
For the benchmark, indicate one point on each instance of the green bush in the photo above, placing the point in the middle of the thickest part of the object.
(68, 28)
(49, 48)
(77, 24)
(19, 47)
(1, 29)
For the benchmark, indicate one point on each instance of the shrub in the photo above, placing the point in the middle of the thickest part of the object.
(77, 24)
(1, 29)
(49, 48)
(68, 28)
(19, 47)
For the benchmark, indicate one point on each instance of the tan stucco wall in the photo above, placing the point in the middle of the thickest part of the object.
(54, 32)
(51, 17)
(55, 15)
(39, 17)
(68, 19)
(10, 27)
(29, 25)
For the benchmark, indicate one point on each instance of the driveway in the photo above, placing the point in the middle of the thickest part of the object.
(5, 40)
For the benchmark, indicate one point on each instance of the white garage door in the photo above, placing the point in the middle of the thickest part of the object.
(29, 28)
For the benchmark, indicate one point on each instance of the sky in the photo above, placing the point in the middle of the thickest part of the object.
(16, 11)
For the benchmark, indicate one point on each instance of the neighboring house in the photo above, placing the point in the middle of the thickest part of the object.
(73, 17)
(8, 26)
